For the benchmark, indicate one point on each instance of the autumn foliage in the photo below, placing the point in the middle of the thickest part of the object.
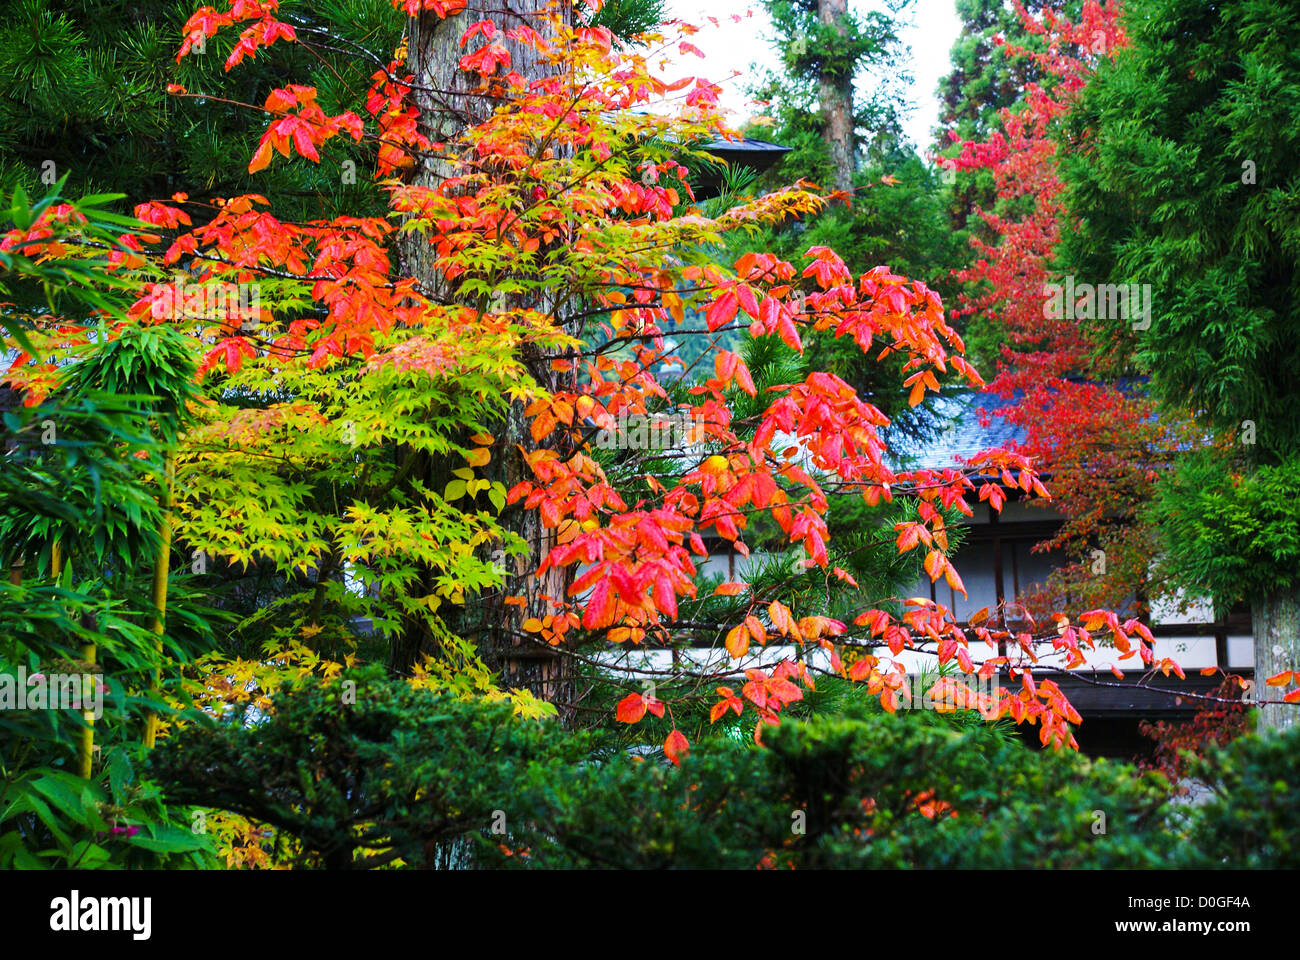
(567, 248)
(1085, 421)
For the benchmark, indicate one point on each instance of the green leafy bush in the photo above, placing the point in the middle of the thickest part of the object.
(403, 776)
(889, 792)
(630, 811)
(363, 771)
(857, 790)
(1251, 819)
(80, 482)
(82, 491)
(1236, 535)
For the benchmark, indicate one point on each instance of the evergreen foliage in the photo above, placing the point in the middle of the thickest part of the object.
(401, 776)
(1182, 163)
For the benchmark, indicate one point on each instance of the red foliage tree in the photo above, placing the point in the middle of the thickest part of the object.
(1090, 429)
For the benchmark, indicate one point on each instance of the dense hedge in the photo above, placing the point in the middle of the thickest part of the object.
(401, 776)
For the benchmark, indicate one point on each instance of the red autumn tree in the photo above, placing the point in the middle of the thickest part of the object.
(1094, 431)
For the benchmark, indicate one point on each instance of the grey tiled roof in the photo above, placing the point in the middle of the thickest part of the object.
(964, 436)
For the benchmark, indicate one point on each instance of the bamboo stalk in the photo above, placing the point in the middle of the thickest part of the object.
(86, 748)
(161, 570)
(86, 736)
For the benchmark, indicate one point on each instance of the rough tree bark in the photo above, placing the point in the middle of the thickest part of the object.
(449, 99)
(835, 99)
(1277, 648)
(450, 102)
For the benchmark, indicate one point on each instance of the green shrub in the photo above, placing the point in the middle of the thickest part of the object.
(363, 771)
(857, 790)
(634, 812)
(406, 776)
(888, 792)
(1235, 535)
(1252, 817)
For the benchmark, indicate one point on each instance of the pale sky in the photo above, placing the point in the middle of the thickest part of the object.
(932, 26)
